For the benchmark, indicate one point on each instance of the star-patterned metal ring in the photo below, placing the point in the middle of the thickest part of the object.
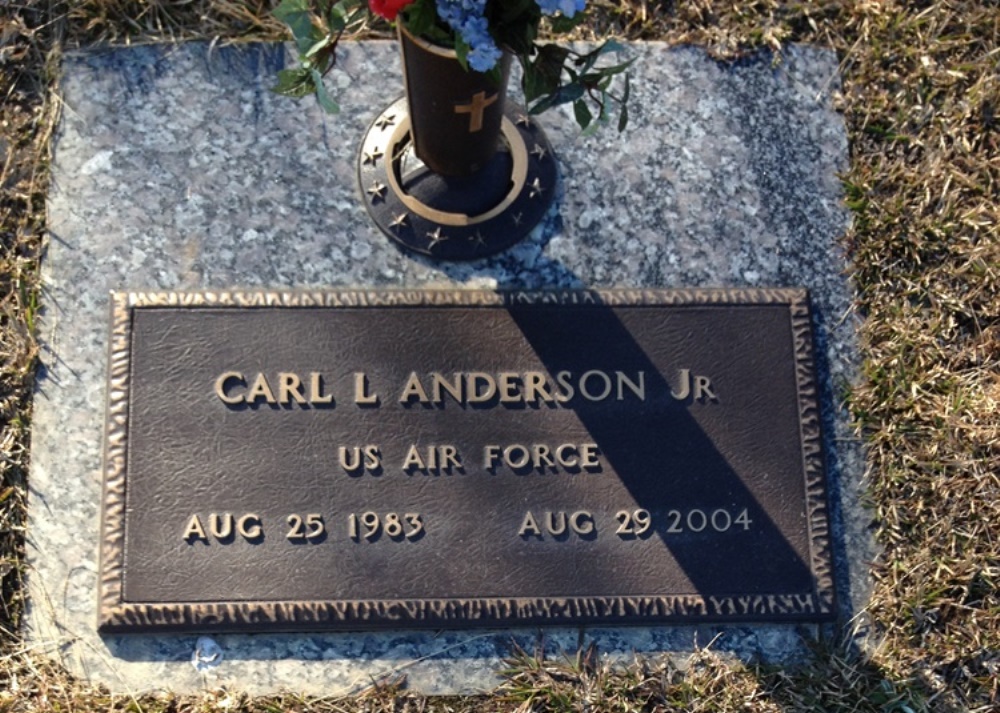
(424, 212)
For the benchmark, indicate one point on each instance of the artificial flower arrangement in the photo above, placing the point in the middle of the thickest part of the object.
(479, 31)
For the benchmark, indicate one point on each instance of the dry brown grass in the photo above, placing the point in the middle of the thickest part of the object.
(921, 98)
(924, 183)
(126, 21)
(27, 119)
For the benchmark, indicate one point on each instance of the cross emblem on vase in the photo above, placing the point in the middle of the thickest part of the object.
(475, 109)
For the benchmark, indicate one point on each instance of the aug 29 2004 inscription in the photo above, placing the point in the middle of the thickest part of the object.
(398, 459)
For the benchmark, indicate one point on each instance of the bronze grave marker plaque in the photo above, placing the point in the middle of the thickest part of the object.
(397, 459)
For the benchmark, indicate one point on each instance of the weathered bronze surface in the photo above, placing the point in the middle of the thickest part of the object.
(350, 460)
(456, 218)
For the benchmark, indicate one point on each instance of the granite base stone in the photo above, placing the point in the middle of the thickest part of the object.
(176, 168)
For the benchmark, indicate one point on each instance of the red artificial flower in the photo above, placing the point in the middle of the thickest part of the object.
(388, 8)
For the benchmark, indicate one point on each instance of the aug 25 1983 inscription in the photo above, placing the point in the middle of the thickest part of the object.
(398, 459)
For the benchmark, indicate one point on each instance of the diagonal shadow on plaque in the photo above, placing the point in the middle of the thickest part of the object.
(671, 466)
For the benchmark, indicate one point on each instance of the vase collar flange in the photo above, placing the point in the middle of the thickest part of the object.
(456, 218)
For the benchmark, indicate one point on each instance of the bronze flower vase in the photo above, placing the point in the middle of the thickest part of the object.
(452, 170)
(452, 137)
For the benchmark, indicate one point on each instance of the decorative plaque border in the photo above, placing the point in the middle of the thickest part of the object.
(117, 615)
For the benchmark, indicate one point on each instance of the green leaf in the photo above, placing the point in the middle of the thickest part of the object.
(338, 17)
(561, 24)
(542, 74)
(563, 95)
(296, 14)
(582, 113)
(511, 17)
(462, 53)
(617, 68)
(623, 117)
(612, 45)
(514, 24)
(322, 96)
(420, 19)
(295, 83)
(357, 14)
(602, 118)
(606, 47)
(291, 7)
(318, 47)
(586, 62)
(508, 13)
(531, 82)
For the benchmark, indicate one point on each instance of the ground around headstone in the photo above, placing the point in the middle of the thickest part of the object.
(176, 169)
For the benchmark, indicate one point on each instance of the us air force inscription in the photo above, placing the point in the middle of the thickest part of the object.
(350, 460)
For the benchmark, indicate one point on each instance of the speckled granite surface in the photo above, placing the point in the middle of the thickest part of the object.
(175, 168)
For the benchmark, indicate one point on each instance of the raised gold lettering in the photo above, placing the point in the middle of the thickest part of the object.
(316, 395)
(439, 384)
(567, 461)
(290, 388)
(556, 522)
(449, 458)
(249, 526)
(310, 528)
(413, 459)
(685, 385)
(260, 390)
(474, 380)
(697, 387)
(373, 459)
(703, 389)
(409, 525)
(490, 455)
(433, 460)
(588, 455)
(361, 395)
(509, 385)
(542, 457)
(567, 391)
(582, 522)
(195, 530)
(529, 526)
(474, 387)
(413, 389)
(536, 386)
(639, 389)
(225, 382)
(585, 389)
(350, 460)
(516, 456)
(221, 526)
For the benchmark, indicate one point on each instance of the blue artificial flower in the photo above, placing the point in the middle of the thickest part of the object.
(566, 7)
(467, 18)
(483, 58)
